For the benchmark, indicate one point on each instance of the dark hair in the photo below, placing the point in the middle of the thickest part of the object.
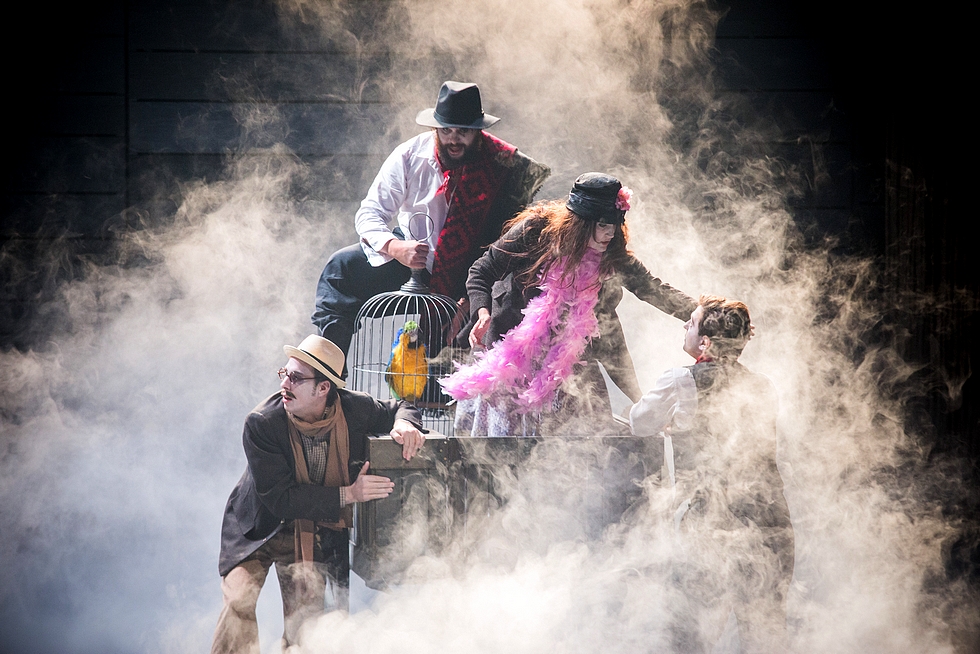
(726, 323)
(318, 378)
(565, 234)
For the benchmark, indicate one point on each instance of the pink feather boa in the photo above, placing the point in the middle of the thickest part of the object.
(541, 352)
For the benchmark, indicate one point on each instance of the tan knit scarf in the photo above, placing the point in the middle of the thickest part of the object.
(333, 423)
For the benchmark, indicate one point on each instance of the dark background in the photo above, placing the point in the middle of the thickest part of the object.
(113, 105)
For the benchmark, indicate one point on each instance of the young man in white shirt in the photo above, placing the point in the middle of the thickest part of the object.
(721, 418)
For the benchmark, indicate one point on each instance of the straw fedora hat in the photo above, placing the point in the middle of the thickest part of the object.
(322, 355)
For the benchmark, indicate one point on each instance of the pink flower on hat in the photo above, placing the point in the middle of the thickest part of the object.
(624, 199)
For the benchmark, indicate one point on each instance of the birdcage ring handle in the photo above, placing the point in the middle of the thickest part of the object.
(429, 225)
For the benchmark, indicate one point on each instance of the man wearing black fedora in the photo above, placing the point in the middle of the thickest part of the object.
(305, 447)
(439, 199)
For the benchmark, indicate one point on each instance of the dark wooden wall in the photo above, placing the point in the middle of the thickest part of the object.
(65, 166)
(868, 106)
(136, 96)
(130, 99)
(781, 58)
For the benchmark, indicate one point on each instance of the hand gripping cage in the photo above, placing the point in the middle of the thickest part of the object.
(384, 365)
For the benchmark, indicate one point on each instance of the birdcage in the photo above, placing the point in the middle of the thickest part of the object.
(386, 365)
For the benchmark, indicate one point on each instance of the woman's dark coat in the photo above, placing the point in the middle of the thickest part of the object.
(493, 284)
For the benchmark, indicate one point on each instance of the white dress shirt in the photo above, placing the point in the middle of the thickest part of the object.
(673, 401)
(408, 183)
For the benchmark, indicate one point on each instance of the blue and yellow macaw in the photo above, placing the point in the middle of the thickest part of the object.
(408, 369)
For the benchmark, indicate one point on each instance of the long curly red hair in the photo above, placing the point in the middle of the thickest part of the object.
(565, 235)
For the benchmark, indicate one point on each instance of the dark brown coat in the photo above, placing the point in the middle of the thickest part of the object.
(268, 495)
(492, 284)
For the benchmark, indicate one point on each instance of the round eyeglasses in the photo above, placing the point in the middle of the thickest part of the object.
(294, 378)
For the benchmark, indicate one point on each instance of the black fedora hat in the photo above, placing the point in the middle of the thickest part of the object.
(459, 105)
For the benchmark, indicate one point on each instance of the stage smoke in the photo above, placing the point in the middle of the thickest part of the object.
(121, 431)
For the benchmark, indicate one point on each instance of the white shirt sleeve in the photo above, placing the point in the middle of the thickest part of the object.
(673, 400)
(407, 184)
(381, 204)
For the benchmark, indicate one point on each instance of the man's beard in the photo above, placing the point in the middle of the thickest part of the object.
(470, 153)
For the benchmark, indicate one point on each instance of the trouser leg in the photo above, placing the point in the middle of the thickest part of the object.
(302, 586)
(237, 631)
(762, 627)
(305, 586)
(762, 594)
(335, 548)
(346, 283)
(339, 597)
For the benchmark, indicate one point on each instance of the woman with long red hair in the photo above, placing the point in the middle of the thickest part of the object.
(543, 298)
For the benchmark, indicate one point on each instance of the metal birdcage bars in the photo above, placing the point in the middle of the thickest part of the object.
(377, 326)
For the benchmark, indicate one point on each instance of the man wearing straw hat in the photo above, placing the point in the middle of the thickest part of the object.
(450, 190)
(305, 446)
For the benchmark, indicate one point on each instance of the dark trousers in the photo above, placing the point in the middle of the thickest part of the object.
(303, 588)
(346, 283)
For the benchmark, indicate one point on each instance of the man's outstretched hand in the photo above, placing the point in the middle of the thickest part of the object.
(369, 487)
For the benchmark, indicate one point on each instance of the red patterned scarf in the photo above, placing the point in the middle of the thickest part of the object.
(470, 191)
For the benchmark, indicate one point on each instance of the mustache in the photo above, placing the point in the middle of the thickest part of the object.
(288, 394)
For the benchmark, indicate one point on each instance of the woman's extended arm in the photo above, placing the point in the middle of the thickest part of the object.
(641, 283)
